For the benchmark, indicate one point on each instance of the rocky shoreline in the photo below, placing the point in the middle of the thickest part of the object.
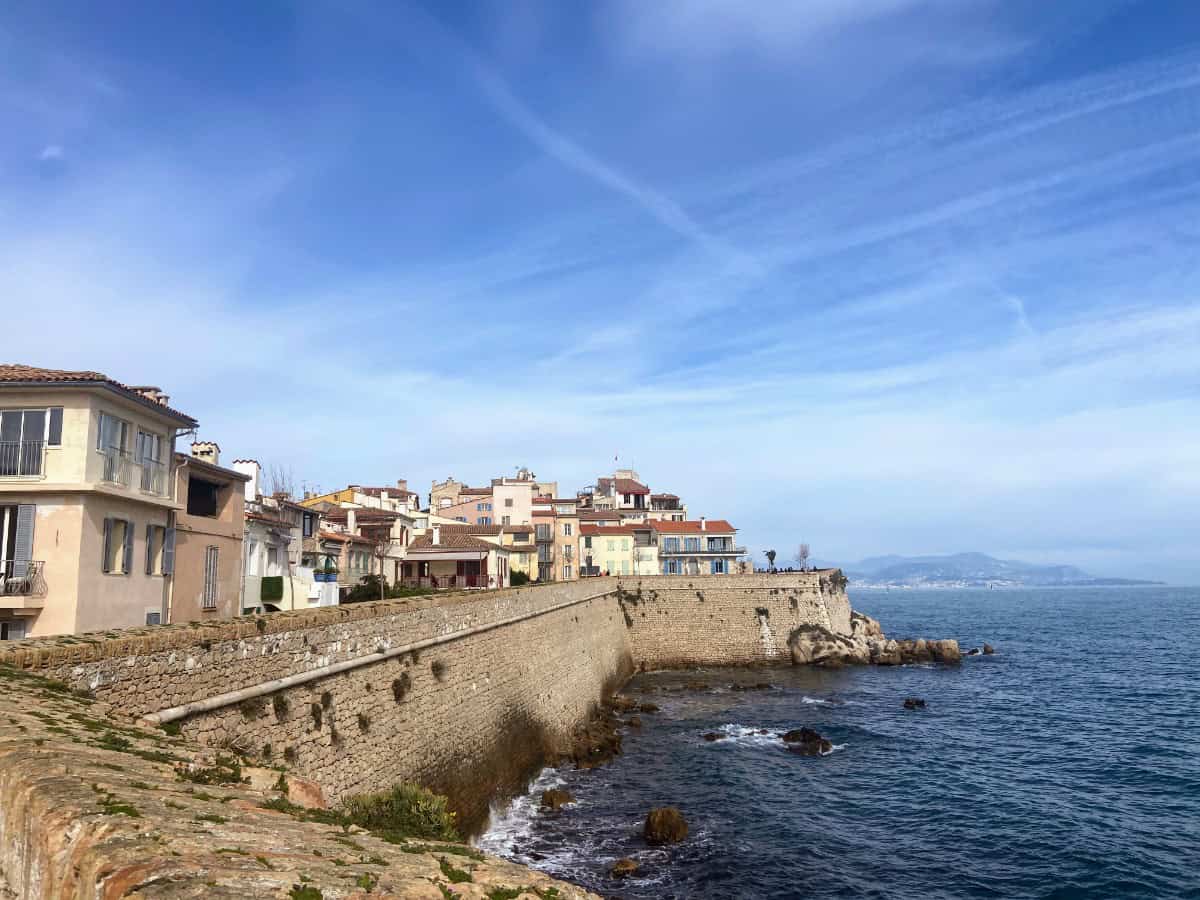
(866, 644)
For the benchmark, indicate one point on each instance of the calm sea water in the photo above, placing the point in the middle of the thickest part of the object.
(1065, 766)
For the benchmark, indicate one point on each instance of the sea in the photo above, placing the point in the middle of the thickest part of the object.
(1065, 765)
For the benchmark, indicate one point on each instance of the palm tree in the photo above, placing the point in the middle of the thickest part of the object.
(770, 554)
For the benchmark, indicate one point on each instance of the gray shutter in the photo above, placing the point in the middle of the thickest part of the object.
(107, 546)
(128, 547)
(149, 548)
(168, 560)
(23, 551)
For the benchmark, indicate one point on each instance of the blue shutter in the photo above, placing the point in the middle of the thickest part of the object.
(128, 547)
(149, 548)
(23, 549)
(168, 560)
(107, 545)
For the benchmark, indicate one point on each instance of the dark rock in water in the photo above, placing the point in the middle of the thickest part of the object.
(622, 704)
(623, 868)
(634, 721)
(648, 708)
(556, 798)
(988, 649)
(696, 686)
(757, 686)
(914, 703)
(974, 651)
(594, 743)
(715, 736)
(763, 731)
(806, 742)
(664, 825)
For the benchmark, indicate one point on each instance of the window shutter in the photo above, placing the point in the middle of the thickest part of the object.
(23, 551)
(168, 556)
(54, 435)
(149, 549)
(128, 548)
(107, 545)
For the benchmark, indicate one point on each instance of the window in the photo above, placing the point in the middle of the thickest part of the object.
(54, 427)
(156, 542)
(506, 520)
(118, 547)
(612, 545)
(210, 578)
(12, 630)
(692, 545)
(587, 542)
(625, 544)
(202, 497)
(671, 545)
(717, 544)
(508, 502)
(153, 618)
(671, 567)
(22, 438)
(252, 557)
(566, 573)
(624, 567)
(113, 433)
(309, 523)
(272, 561)
(484, 520)
(719, 567)
(566, 529)
(16, 541)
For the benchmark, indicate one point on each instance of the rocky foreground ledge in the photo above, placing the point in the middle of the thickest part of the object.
(866, 644)
(91, 808)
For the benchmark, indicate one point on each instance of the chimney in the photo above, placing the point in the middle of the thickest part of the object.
(402, 484)
(703, 524)
(254, 470)
(351, 522)
(151, 393)
(437, 535)
(209, 451)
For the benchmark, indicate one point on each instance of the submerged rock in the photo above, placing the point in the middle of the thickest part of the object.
(621, 703)
(556, 798)
(623, 868)
(914, 703)
(715, 736)
(664, 825)
(648, 707)
(988, 649)
(634, 721)
(806, 742)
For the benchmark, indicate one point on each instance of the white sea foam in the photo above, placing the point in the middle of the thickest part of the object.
(816, 701)
(511, 824)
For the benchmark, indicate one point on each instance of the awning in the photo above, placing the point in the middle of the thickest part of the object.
(452, 555)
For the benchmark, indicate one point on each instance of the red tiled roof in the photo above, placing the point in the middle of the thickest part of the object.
(664, 496)
(600, 514)
(452, 541)
(475, 491)
(378, 491)
(720, 526)
(344, 538)
(629, 486)
(467, 528)
(15, 373)
(269, 520)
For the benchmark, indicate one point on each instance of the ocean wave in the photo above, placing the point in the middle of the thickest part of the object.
(816, 701)
(511, 825)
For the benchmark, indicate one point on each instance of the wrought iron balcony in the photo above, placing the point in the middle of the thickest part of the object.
(116, 466)
(21, 578)
(704, 550)
(22, 459)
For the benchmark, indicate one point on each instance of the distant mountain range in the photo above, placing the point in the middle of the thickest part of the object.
(971, 570)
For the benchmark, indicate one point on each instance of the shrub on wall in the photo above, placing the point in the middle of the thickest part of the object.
(516, 579)
(272, 588)
(403, 812)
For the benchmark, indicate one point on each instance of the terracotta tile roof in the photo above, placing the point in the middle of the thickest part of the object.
(467, 528)
(392, 492)
(475, 491)
(718, 526)
(344, 538)
(268, 520)
(599, 515)
(15, 373)
(629, 486)
(664, 496)
(452, 541)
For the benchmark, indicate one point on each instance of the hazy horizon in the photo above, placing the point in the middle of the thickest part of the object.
(885, 277)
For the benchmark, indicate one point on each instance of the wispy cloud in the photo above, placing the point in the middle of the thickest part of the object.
(51, 152)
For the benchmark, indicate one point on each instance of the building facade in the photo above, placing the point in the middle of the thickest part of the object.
(209, 526)
(701, 547)
(86, 502)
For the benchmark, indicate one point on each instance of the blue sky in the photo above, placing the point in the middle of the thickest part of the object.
(881, 275)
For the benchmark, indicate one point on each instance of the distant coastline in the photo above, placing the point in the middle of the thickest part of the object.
(961, 571)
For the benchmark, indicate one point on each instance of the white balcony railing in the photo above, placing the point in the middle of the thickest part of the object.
(22, 459)
(116, 466)
(21, 578)
(154, 477)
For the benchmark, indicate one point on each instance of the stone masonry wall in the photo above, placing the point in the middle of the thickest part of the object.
(677, 621)
(502, 680)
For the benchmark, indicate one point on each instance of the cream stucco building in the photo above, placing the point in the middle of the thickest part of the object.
(87, 504)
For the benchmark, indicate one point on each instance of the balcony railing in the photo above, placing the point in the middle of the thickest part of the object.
(722, 549)
(21, 578)
(116, 466)
(545, 533)
(154, 477)
(22, 459)
(589, 571)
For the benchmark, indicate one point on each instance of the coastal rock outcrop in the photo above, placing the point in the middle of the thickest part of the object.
(623, 868)
(806, 742)
(664, 825)
(556, 798)
(815, 645)
(914, 703)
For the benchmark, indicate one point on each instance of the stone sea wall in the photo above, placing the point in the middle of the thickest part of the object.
(676, 621)
(466, 694)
